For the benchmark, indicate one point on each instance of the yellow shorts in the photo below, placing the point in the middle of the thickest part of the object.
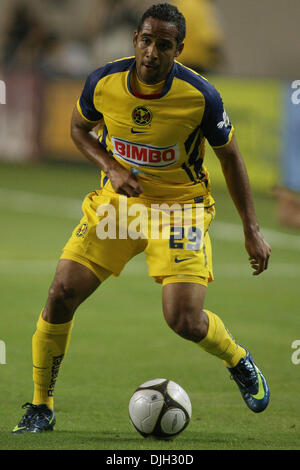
(114, 229)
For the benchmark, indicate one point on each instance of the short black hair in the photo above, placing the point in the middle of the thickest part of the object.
(169, 13)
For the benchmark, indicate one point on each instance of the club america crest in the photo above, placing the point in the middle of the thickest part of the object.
(141, 116)
(81, 231)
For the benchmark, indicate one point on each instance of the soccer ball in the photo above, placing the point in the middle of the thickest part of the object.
(160, 408)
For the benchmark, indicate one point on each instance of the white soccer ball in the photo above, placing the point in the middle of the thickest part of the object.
(160, 408)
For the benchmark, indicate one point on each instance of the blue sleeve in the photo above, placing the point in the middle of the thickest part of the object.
(215, 124)
(86, 101)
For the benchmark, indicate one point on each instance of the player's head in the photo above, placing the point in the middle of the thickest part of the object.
(158, 40)
(168, 13)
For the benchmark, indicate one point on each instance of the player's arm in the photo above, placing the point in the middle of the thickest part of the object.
(121, 179)
(237, 181)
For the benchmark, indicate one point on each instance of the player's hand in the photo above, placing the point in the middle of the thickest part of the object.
(259, 251)
(123, 181)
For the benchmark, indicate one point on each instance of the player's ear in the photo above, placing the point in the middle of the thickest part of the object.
(135, 35)
(179, 49)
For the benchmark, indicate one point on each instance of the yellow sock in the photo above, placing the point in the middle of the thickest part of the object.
(49, 345)
(220, 343)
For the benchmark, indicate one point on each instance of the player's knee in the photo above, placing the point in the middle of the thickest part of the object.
(61, 303)
(61, 291)
(187, 321)
(62, 296)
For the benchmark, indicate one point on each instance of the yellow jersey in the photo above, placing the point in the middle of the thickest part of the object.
(160, 137)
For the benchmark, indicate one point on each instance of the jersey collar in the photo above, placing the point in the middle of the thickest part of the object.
(165, 89)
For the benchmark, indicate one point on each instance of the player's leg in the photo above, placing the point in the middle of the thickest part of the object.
(72, 284)
(184, 313)
(183, 264)
(77, 276)
(183, 310)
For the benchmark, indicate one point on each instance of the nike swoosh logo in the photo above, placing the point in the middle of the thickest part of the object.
(261, 391)
(136, 132)
(180, 260)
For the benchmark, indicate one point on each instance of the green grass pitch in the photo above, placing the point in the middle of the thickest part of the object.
(121, 340)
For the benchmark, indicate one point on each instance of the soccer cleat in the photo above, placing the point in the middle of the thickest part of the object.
(252, 384)
(37, 418)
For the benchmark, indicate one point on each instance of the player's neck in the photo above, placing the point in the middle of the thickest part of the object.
(142, 89)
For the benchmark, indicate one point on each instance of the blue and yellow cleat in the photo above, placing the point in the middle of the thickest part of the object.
(252, 384)
(38, 418)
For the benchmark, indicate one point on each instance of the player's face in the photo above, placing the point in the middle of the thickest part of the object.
(155, 49)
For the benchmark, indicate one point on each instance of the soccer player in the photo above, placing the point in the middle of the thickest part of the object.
(153, 116)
